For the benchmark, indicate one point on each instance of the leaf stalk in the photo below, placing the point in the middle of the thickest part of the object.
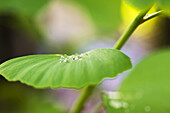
(131, 28)
(84, 95)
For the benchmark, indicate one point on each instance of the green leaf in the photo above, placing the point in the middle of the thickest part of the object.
(165, 5)
(18, 98)
(74, 71)
(141, 4)
(146, 89)
(105, 15)
(24, 12)
(41, 105)
(24, 7)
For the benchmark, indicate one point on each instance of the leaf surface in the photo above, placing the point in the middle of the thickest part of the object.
(74, 71)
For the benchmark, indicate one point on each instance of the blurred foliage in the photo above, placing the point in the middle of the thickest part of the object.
(106, 15)
(165, 5)
(22, 7)
(24, 12)
(141, 4)
(17, 98)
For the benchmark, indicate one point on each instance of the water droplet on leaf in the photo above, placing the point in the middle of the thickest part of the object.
(65, 58)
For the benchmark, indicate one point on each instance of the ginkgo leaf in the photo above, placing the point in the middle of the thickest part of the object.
(75, 71)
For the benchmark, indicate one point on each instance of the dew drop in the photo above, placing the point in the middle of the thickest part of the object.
(76, 58)
(63, 59)
(66, 58)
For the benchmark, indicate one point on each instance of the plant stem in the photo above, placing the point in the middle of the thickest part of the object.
(79, 105)
(132, 27)
(85, 94)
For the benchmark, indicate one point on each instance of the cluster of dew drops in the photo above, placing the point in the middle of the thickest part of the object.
(65, 58)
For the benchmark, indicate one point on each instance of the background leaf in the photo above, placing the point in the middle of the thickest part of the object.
(24, 7)
(165, 5)
(74, 71)
(32, 101)
(24, 13)
(146, 89)
(141, 4)
(105, 15)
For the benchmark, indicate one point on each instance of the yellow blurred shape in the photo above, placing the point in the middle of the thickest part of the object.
(129, 13)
